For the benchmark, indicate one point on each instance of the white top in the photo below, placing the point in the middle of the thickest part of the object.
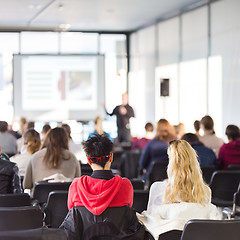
(160, 218)
(78, 151)
(21, 160)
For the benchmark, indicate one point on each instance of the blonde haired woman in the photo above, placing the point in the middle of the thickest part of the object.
(182, 197)
(32, 142)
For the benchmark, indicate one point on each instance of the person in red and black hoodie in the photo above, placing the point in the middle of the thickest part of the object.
(100, 204)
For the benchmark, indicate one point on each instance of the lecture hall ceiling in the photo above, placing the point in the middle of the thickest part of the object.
(87, 15)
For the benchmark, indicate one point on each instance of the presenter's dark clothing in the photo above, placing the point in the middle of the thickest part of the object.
(123, 125)
(9, 179)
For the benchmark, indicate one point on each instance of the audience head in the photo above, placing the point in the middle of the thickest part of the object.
(190, 138)
(3, 126)
(196, 125)
(56, 140)
(207, 123)
(23, 125)
(45, 130)
(232, 132)
(30, 125)
(163, 130)
(32, 140)
(180, 130)
(125, 98)
(99, 146)
(184, 175)
(149, 127)
(98, 125)
(67, 129)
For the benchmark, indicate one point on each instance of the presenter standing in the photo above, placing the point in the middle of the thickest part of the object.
(123, 113)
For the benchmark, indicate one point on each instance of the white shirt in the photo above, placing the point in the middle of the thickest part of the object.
(21, 160)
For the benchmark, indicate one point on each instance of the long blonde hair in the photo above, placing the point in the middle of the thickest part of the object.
(185, 182)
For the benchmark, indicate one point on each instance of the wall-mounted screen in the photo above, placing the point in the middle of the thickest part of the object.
(58, 87)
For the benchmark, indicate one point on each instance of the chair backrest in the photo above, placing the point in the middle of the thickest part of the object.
(223, 185)
(34, 234)
(137, 184)
(171, 235)
(207, 172)
(233, 167)
(86, 169)
(158, 172)
(140, 200)
(15, 200)
(56, 208)
(211, 230)
(42, 189)
(20, 218)
(130, 164)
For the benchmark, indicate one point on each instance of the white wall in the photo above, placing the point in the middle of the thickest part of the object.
(204, 75)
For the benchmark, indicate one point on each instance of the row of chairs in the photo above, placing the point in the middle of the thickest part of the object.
(193, 230)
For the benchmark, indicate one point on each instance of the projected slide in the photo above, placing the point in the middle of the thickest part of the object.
(50, 82)
(52, 87)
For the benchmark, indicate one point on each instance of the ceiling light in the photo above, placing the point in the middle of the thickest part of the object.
(60, 7)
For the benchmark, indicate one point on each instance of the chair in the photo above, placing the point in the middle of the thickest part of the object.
(207, 172)
(15, 200)
(158, 172)
(85, 169)
(233, 213)
(56, 208)
(171, 235)
(34, 234)
(211, 230)
(20, 218)
(130, 164)
(233, 167)
(137, 184)
(116, 159)
(140, 200)
(223, 185)
(42, 189)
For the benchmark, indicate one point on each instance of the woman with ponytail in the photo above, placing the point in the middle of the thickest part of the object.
(32, 143)
(53, 158)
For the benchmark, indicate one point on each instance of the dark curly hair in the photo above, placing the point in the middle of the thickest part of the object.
(97, 146)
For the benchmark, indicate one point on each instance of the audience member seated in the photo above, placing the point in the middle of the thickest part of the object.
(20, 133)
(53, 158)
(9, 179)
(206, 156)
(46, 128)
(7, 141)
(156, 149)
(209, 138)
(182, 197)
(140, 144)
(229, 153)
(100, 193)
(32, 142)
(99, 129)
(180, 130)
(75, 148)
(196, 125)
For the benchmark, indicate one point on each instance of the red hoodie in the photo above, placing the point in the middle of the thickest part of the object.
(229, 154)
(98, 194)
